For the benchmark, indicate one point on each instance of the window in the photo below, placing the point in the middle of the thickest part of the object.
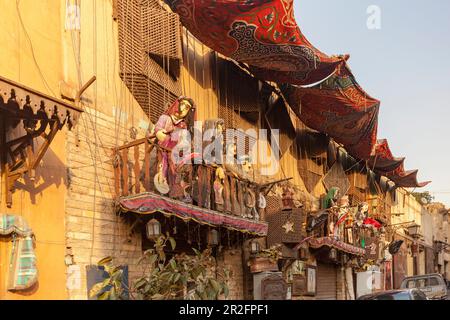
(433, 282)
(421, 283)
(411, 284)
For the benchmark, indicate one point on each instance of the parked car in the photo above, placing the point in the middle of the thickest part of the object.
(433, 285)
(404, 294)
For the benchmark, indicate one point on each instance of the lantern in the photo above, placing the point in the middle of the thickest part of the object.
(153, 229)
(413, 230)
(254, 247)
(333, 254)
(344, 259)
(213, 237)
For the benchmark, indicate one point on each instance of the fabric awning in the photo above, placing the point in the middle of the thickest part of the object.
(382, 159)
(263, 34)
(317, 243)
(340, 108)
(406, 179)
(384, 163)
(149, 203)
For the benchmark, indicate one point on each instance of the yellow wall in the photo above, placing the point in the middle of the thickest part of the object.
(55, 60)
(406, 209)
(43, 204)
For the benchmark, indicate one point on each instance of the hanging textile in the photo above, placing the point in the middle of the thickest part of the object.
(384, 163)
(382, 159)
(23, 272)
(330, 242)
(149, 203)
(406, 179)
(340, 108)
(261, 33)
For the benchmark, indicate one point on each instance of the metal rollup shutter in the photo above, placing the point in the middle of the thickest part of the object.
(326, 282)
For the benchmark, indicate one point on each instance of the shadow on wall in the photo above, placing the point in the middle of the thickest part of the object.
(50, 171)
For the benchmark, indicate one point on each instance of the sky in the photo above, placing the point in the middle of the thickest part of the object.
(405, 64)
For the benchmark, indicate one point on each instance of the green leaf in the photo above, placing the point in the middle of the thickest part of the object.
(215, 285)
(140, 283)
(113, 294)
(152, 259)
(173, 264)
(95, 289)
(172, 243)
(226, 291)
(104, 296)
(105, 261)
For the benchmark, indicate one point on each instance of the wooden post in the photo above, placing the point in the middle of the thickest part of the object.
(148, 150)
(116, 162)
(137, 171)
(3, 176)
(125, 190)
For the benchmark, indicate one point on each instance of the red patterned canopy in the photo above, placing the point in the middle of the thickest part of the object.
(261, 33)
(382, 160)
(340, 108)
(384, 163)
(150, 203)
(406, 179)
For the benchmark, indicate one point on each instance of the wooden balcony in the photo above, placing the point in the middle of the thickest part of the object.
(135, 167)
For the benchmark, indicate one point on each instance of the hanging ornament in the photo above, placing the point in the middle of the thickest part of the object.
(288, 226)
(213, 237)
(199, 239)
(189, 234)
(153, 229)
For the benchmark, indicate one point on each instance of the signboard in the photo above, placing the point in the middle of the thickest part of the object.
(311, 287)
(274, 288)
(299, 287)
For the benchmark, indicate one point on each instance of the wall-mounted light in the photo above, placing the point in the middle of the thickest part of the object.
(213, 237)
(333, 254)
(413, 230)
(344, 259)
(254, 247)
(153, 229)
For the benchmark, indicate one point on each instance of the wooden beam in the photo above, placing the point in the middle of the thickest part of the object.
(148, 150)
(137, 171)
(125, 190)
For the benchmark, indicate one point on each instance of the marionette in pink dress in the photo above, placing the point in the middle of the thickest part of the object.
(170, 130)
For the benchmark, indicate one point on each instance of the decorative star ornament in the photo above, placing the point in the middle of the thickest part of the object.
(288, 227)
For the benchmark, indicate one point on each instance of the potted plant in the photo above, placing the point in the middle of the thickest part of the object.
(266, 260)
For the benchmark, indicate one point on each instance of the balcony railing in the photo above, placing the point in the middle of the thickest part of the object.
(136, 164)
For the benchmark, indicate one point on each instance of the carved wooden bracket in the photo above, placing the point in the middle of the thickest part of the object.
(41, 116)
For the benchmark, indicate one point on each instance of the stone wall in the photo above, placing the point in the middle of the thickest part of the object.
(232, 260)
(93, 229)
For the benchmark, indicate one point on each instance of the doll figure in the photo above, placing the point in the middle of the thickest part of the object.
(219, 189)
(362, 213)
(170, 131)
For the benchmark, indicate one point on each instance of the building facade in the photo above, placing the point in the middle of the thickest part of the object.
(331, 215)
